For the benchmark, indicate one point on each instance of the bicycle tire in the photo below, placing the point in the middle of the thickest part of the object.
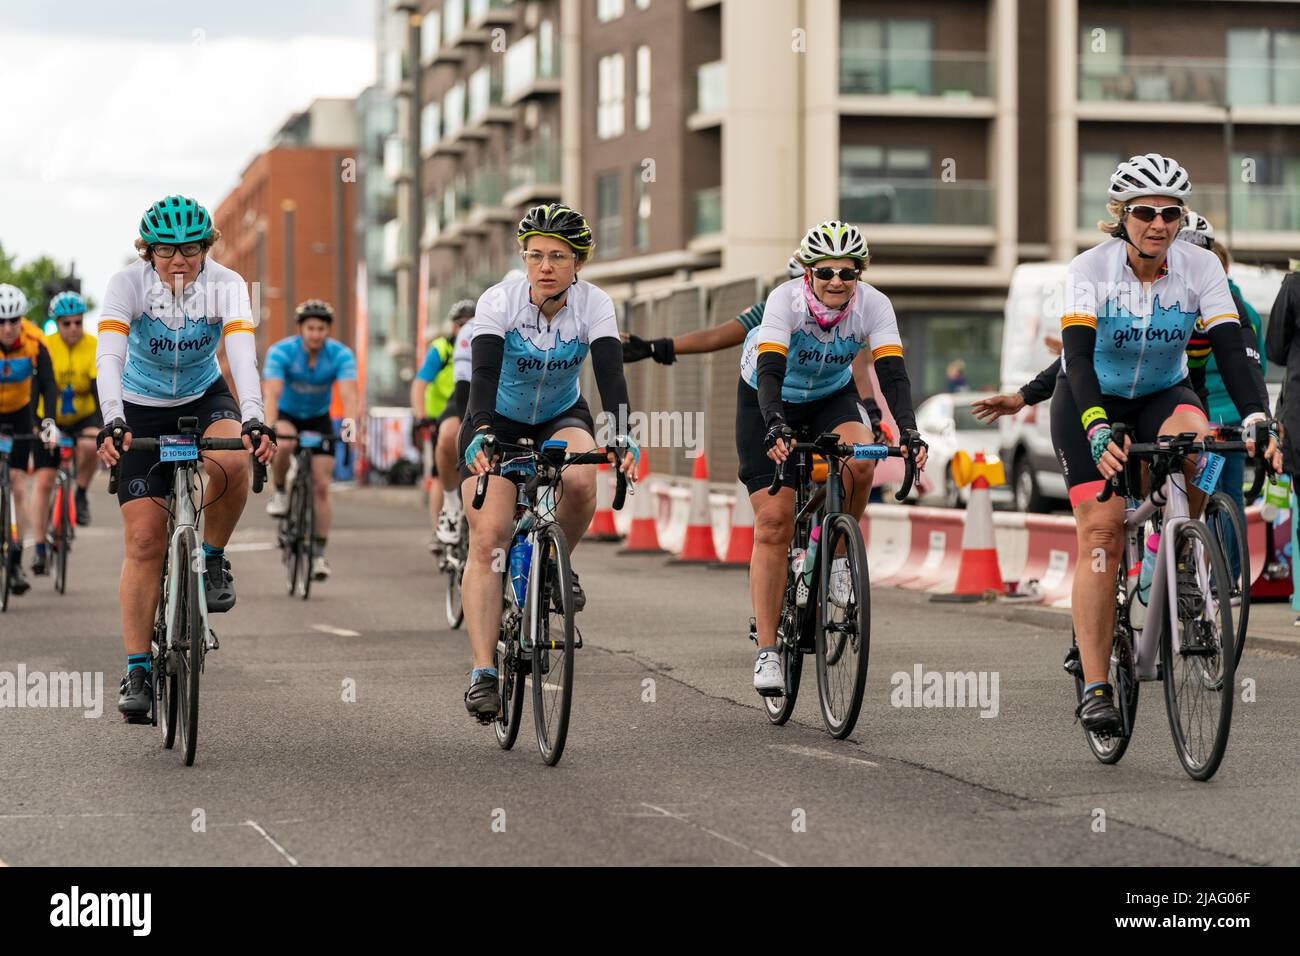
(62, 539)
(1184, 675)
(793, 618)
(1123, 680)
(1219, 507)
(552, 640)
(842, 656)
(455, 606)
(189, 650)
(308, 526)
(292, 538)
(6, 547)
(512, 696)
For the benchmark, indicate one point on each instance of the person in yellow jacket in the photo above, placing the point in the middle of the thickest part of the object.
(76, 412)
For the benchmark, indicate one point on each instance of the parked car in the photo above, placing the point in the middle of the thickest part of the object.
(947, 425)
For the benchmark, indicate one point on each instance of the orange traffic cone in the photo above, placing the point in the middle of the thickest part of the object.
(697, 548)
(643, 535)
(602, 522)
(978, 573)
(740, 540)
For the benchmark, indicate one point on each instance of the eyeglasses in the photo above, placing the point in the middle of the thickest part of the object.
(827, 274)
(534, 257)
(11, 321)
(189, 250)
(69, 323)
(1145, 213)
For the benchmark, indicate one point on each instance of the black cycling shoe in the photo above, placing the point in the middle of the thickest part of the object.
(219, 584)
(136, 695)
(83, 508)
(1098, 713)
(483, 699)
(38, 565)
(18, 583)
(579, 595)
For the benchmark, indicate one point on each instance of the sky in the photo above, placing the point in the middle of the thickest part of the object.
(112, 104)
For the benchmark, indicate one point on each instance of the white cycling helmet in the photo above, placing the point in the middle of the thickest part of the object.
(1149, 175)
(1197, 231)
(13, 302)
(794, 268)
(833, 239)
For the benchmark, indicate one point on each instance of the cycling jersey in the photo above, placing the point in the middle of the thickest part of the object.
(461, 357)
(437, 371)
(155, 350)
(542, 360)
(308, 387)
(21, 369)
(74, 377)
(819, 361)
(1142, 332)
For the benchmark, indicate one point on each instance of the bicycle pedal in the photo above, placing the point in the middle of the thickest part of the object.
(486, 719)
(137, 718)
(213, 643)
(577, 638)
(753, 630)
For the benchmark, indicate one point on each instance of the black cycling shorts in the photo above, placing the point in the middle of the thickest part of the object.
(22, 422)
(319, 423)
(819, 416)
(140, 474)
(44, 458)
(1143, 416)
(510, 431)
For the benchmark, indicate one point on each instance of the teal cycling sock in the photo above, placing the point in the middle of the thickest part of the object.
(1093, 686)
(40, 549)
(139, 660)
(210, 552)
(490, 671)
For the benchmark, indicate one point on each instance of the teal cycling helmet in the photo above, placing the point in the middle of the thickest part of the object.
(174, 220)
(67, 303)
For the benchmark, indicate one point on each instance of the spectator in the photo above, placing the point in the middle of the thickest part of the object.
(1282, 345)
(956, 375)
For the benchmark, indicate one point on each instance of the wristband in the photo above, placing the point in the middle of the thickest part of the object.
(1096, 413)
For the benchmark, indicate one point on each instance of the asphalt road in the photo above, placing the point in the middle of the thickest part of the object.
(670, 759)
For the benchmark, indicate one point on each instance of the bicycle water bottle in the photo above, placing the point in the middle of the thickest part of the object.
(1277, 497)
(1148, 568)
(521, 557)
(809, 563)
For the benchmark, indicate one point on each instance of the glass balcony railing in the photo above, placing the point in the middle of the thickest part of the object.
(528, 60)
(479, 9)
(711, 88)
(487, 186)
(1212, 82)
(534, 164)
(397, 160)
(916, 73)
(706, 219)
(1255, 207)
(916, 202)
(484, 93)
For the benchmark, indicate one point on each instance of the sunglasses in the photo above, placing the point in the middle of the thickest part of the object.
(1145, 213)
(189, 250)
(11, 321)
(827, 274)
(69, 323)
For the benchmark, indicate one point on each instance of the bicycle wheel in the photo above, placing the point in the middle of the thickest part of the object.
(289, 537)
(512, 693)
(790, 629)
(62, 539)
(1225, 522)
(1123, 680)
(188, 648)
(552, 640)
(455, 573)
(1199, 675)
(164, 678)
(6, 547)
(843, 630)
(307, 534)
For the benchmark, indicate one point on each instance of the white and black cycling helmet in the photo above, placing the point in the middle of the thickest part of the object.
(13, 302)
(1197, 230)
(1149, 175)
(794, 268)
(833, 239)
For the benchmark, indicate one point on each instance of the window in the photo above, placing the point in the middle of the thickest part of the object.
(1095, 170)
(480, 93)
(1101, 63)
(609, 224)
(545, 49)
(609, 97)
(607, 10)
(886, 56)
(1263, 67)
(453, 111)
(430, 123)
(886, 184)
(453, 19)
(642, 87)
(430, 36)
(643, 4)
(641, 189)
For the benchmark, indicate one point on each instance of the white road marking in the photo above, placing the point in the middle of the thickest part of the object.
(823, 754)
(337, 631)
(271, 840)
(713, 833)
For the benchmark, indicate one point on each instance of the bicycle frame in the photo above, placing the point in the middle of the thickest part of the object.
(1173, 499)
(184, 517)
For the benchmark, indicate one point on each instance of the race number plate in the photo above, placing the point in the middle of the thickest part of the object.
(178, 448)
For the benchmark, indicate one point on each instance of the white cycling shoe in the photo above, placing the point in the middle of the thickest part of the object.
(278, 506)
(448, 526)
(768, 679)
(841, 593)
(320, 568)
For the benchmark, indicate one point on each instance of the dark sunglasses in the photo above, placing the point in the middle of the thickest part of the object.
(827, 274)
(11, 321)
(69, 323)
(1144, 213)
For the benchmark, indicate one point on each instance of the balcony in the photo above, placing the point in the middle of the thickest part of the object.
(1263, 217)
(706, 212)
(485, 13)
(484, 103)
(531, 68)
(397, 159)
(1189, 89)
(916, 202)
(487, 189)
(912, 82)
(396, 252)
(534, 175)
(710, 95)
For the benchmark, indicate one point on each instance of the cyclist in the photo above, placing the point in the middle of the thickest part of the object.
(445, 367)
(430, 390)
(72, 354)
(795, 369)
(25, 371)
(731, 333)
(298, 384)
(159, 328)
(1130, 308)
(531, 335)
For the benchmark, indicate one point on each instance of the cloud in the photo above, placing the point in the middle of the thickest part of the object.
(105, 128)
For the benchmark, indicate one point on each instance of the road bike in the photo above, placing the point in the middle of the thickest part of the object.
(8, 515)
(297, 526)
(61, 524)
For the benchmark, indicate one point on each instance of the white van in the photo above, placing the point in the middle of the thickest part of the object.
(1034, 304)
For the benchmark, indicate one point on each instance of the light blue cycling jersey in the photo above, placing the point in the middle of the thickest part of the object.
(819, 361)
(542, 360)
(308, 388)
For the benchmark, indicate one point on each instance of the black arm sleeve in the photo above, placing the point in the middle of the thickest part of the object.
(486, 354)
(1078, 343)
(1196, 379)
(607, 364)
(771, 376)
(1277, 338)
(892, 375)
(1240, 374)
(1044, 383)
(43, 382)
